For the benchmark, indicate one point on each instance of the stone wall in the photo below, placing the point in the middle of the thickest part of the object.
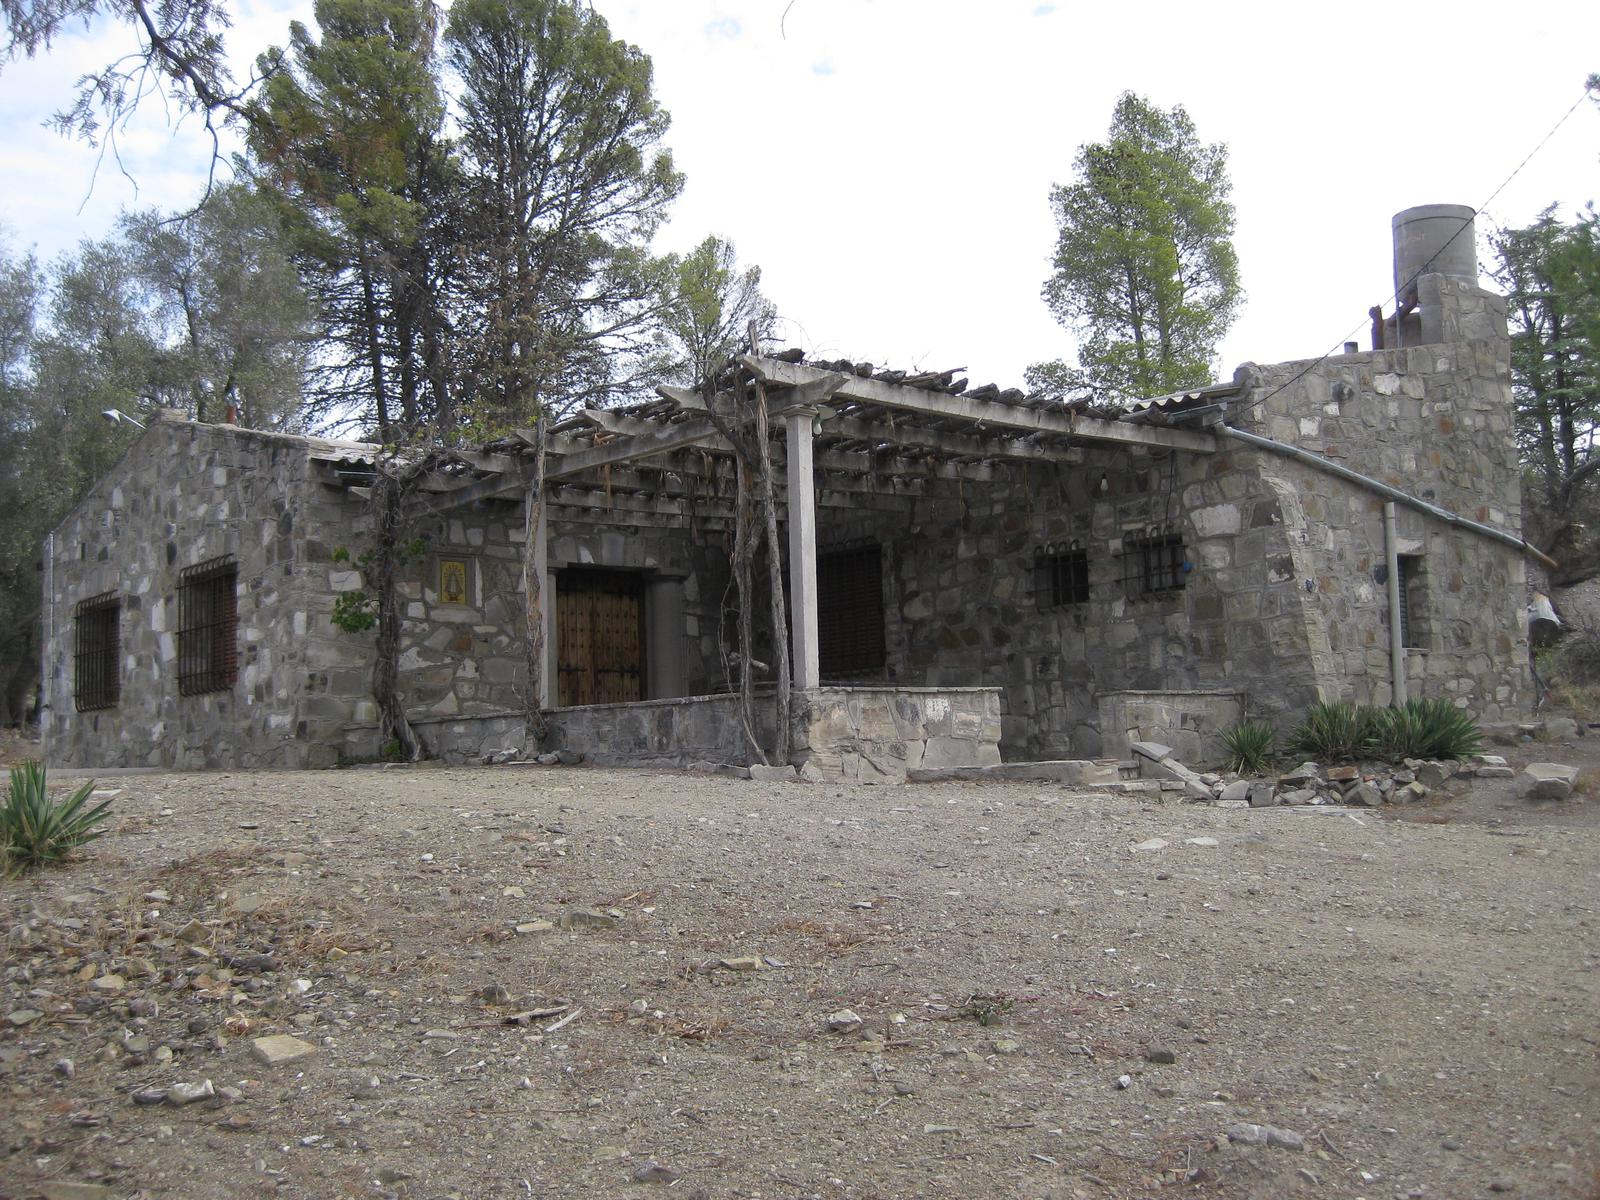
(1436, 422)
(460, 741)
(182, 494)
(877, 734)
(1282, 600)
(1190, 723)
(866, 734)
(674, 733)
(965, 606)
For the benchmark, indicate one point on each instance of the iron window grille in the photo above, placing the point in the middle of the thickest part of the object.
(97, 652)
(1413, 602)
(850, 624)
(1061, 575)
(208, 624)
(1154, 562)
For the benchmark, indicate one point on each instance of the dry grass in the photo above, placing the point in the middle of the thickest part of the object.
(837, 939)
(204, 874)
(1587, 787)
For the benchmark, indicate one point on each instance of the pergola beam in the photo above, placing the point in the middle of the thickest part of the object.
(659, 440)
(983, 412)
(948, 442)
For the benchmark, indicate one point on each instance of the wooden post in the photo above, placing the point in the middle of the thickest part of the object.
(803, 549)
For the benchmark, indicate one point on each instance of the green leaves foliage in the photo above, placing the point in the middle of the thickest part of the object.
(1550, 272)
(1249, 747)
(1342, 732)
(1145, 269)
(565, 179)
(36, 830)
(709, 309)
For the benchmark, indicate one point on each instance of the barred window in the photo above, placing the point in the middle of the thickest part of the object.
(850, 624)
(1154, 562)
(97, 652)
(208, 622)
(1061, 575)
(1414, 631)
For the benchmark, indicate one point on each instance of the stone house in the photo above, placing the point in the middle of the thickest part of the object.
(972, 574)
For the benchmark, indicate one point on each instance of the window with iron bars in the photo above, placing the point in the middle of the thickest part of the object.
(97, 652)
(1154, 562)
(1061, 575)
(208, 623)
(850, 621)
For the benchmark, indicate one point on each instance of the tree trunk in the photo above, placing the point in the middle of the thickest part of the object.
(389, 494)
(369, 314)
(534, 599)
(780, 623)
(743, 549)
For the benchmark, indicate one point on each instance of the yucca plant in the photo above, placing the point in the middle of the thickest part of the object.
(36, 830)
(1427, 729)
(1249, 747)
(1336, 732)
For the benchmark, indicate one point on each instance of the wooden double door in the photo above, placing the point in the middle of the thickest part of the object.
(600, 646)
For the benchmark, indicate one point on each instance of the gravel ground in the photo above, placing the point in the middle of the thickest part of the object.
(1412, 1006)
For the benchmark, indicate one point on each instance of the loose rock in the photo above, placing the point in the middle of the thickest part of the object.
(279, 1049)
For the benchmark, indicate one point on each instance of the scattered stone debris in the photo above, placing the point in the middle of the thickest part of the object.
(587, 918)
(654, 1172)
(280, 1049)
(1246, 1134)
(1549, 781)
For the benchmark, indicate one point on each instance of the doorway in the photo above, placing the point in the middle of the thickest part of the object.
(600, 639)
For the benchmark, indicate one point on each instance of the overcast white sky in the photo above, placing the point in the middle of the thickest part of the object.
(887, 163)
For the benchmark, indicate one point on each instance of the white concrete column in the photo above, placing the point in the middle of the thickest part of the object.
(803, 550)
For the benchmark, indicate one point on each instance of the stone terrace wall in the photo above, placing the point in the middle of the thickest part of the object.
(870, 734)
(1190, 723)
(877, 734)
(656, 732)
(182, 494)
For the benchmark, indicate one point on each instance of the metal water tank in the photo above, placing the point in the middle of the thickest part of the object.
(1434, 239)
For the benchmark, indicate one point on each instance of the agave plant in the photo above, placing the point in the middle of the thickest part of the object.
(1427, 729)
(36, 830)
(1249, 747)
(1336, 732)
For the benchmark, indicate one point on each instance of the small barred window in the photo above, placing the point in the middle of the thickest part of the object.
(208, 623)
(1061, 575)
(1153, 563)
(97, 652)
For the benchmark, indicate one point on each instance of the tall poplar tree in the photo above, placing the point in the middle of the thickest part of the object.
(1145, 269)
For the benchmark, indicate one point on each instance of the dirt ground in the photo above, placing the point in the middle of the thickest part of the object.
(1413, 1005)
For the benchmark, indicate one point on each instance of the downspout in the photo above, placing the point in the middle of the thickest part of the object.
(1389, 493)
(1397, 646)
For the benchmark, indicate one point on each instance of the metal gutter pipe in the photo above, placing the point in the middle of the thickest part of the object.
(1390, 493)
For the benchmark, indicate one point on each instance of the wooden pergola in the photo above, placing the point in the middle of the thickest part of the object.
(853, 438)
